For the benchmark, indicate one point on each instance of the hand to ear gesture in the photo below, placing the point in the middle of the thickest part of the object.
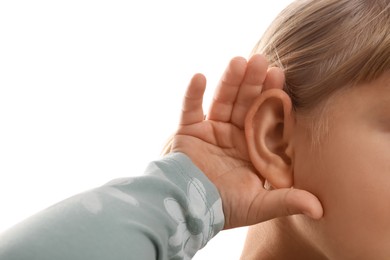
(217, 145)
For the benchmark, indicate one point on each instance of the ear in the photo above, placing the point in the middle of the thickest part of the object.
(268, 128)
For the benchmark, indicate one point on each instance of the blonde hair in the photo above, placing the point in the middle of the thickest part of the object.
(324, 45)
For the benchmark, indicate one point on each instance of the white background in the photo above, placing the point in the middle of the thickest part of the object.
(91, 90)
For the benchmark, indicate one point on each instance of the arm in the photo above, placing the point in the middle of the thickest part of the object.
(174, 209)
(170, 212)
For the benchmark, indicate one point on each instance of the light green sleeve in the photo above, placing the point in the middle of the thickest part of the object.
(170, 212)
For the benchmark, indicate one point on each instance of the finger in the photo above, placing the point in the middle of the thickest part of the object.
(250, 88)
(286, 202)
(274, 79)
(227, 90)
(192, 111)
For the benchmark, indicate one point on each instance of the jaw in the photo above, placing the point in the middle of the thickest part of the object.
(278, 239)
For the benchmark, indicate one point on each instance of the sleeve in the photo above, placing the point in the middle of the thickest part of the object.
(170, 212)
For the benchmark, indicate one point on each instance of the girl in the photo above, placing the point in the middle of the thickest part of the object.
(327, 131)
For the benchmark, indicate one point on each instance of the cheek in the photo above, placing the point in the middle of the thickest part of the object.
(352, 180)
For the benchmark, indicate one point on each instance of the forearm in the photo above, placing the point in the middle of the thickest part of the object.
(171, 211)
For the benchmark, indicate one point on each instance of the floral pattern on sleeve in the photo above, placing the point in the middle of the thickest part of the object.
(195, 221)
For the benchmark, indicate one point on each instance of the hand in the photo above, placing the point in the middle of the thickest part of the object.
(217, 145)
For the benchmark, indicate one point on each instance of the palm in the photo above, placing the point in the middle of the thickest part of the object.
(221, 143)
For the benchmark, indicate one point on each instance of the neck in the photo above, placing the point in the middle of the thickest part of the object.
(276, 239)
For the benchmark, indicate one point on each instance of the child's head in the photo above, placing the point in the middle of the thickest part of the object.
(336, 58)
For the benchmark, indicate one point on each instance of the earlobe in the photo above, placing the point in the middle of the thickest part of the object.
(268, 129)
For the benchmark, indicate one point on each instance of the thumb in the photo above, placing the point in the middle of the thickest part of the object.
(285, 202)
